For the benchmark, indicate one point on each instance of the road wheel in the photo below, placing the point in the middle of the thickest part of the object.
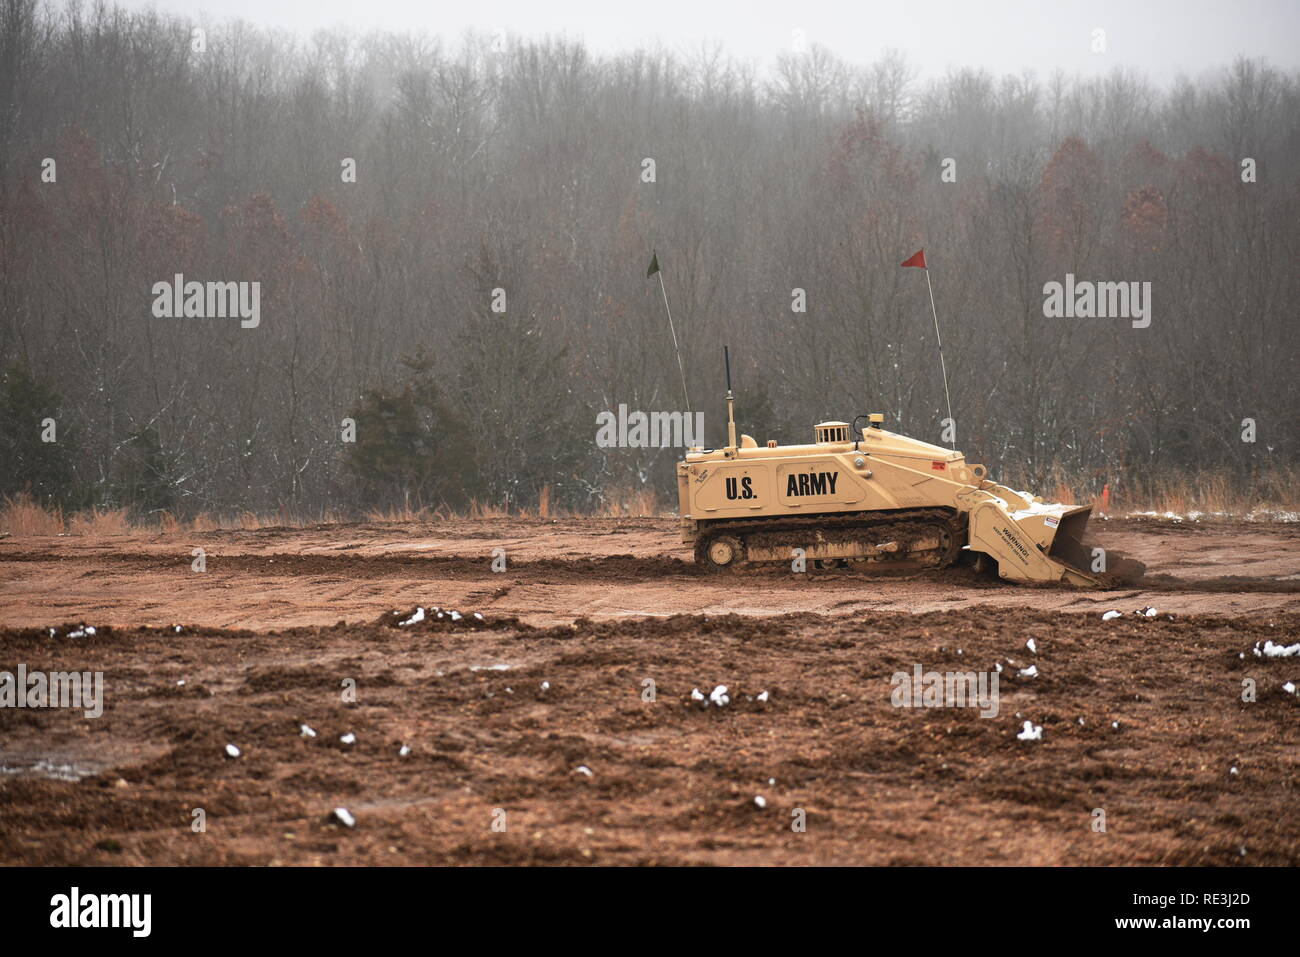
(720, 552)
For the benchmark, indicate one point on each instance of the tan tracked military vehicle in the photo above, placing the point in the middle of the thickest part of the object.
(875, 500)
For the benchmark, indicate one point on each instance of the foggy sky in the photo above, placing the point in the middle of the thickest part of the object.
(1161, 38)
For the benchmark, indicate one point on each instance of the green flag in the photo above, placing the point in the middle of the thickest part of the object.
(654, 265)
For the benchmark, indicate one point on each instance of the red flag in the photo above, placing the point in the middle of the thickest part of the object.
(918, 260)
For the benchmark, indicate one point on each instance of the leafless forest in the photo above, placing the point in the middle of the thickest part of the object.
(520, 167)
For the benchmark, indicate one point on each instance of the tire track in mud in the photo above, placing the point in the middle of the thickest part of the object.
(363, 567)
(611, 568)
(1225, 583)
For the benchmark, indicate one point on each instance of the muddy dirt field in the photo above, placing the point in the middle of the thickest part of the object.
(527, 736)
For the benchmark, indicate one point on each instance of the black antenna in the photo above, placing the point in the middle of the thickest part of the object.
(731, 405)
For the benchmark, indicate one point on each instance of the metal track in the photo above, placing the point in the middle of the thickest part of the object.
(940, 533)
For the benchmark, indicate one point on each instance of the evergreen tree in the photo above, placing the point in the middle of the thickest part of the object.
(30, 413)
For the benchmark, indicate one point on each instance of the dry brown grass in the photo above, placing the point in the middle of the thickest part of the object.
(480, 510)
(402, 513)
(100, 521)
(1065, 495)
(1270, 495)
(1269, 492)
(1204, 495)
(633, 502)
(615, 503)
(22, 516)
(202, 522)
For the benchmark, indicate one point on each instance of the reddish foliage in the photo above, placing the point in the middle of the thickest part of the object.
(1145, 211)
(257, 233)
(1068, 193)
(1204, 169)
(323, 219)
(862, 151)
(1145, 161)
(171, 233)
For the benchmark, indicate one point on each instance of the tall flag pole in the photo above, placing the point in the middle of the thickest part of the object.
(918, 261)
(655, 271)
